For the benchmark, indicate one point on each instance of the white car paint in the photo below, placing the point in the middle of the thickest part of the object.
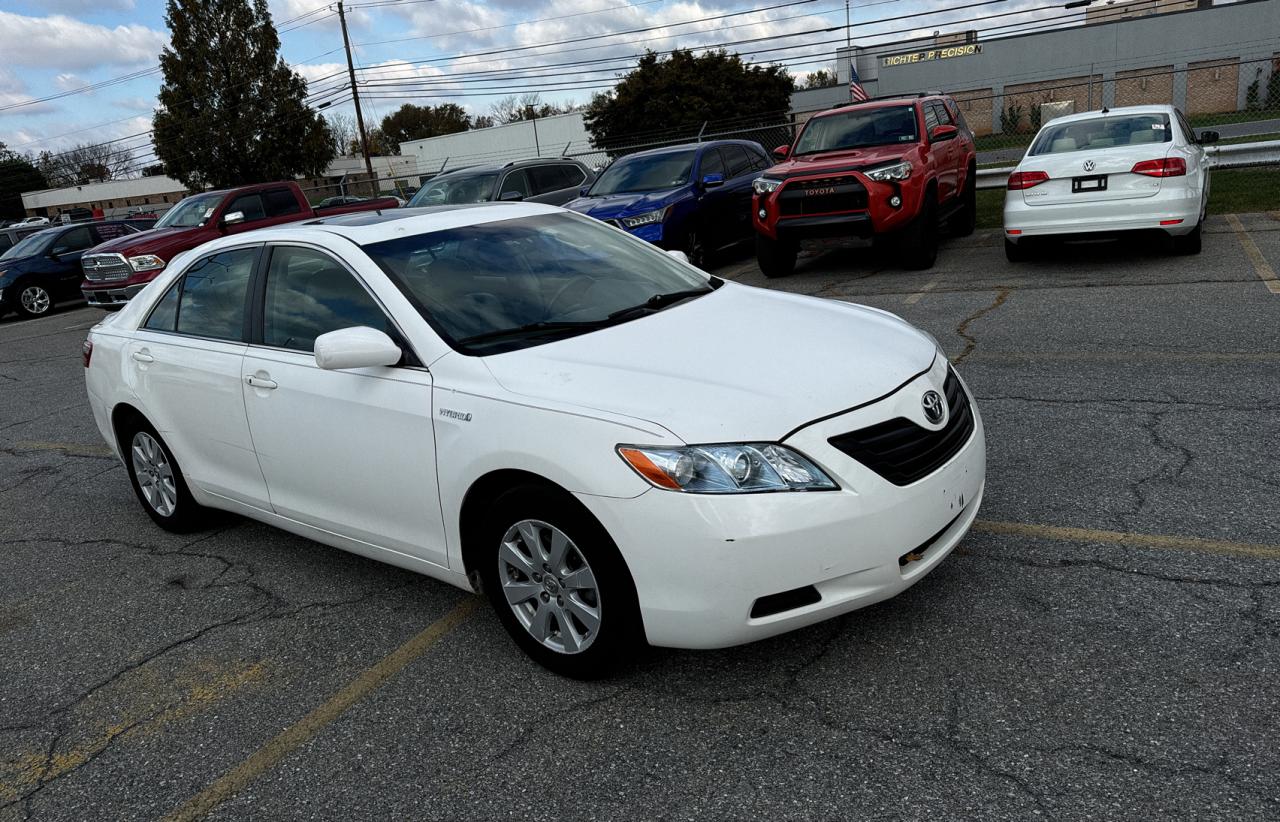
(1175, 205)
(378, 460)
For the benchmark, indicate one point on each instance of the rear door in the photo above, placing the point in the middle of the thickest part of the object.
(551, 183)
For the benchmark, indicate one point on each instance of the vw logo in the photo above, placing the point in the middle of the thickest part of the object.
(935, 408)
(1089, 165)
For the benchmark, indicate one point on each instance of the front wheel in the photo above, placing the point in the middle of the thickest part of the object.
(920, 239)
(776, 258)
(558, 583)
(695, 248)
(34, 300)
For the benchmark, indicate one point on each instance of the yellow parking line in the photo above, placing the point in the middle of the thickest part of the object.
(915, 298)
(301, 732)
(1265, 272)
(1251, 550)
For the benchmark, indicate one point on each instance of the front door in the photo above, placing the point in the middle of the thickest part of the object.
(351, 452)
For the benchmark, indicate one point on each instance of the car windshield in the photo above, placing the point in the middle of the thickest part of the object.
(191, 212)
(30, 246)
(859, 129)
(652, 172)
(1103, 132)
(457, 189)
(515, 283)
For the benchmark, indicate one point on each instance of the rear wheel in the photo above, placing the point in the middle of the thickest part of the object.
(558, 583)
(1189, 243)
(776, 258)
(157, 480)
(34, 300)
(919, 242)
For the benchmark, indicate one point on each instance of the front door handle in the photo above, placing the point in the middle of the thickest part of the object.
(142, 356)
(260, 382)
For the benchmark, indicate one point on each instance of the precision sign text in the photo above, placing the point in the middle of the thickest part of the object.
(931, 54)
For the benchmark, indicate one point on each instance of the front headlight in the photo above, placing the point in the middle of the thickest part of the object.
(897, 171)
(726, 469)
(146, 262)
(765, 185)
(647, 218)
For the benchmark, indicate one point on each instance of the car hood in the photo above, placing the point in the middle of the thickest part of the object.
(16, 264)
(740, 364)
(613, 206)
(164, 242)
(850, 160)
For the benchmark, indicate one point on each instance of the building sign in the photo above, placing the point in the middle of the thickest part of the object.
(945, 53)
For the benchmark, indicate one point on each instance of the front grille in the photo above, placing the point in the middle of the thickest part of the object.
(903, 452)
(105, 268)
(828, 195)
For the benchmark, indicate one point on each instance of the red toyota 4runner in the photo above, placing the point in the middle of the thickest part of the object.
(892, 167)
(114, 271)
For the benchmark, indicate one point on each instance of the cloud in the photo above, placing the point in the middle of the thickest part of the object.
(13, 91)
(283, 10)
(66, 44)
(82, 6)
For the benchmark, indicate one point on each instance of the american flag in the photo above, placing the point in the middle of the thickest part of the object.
(856, 92)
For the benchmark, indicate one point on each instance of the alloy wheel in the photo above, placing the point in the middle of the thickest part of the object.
(549, 585)
(155, 474)
(35, 300)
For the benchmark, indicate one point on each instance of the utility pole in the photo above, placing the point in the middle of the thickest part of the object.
(848, 42)
(533, 118)
(355, 96)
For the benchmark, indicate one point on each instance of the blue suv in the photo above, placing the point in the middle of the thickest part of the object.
(695, 198)
(44, 268)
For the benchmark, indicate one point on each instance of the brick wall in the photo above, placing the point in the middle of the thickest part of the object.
(1075, 89)
(1212, 86)
(1144, 87)
(975, 105)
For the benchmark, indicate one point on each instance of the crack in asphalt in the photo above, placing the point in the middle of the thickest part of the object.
(962, 330)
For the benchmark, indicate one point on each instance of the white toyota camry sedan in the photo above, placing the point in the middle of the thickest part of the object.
(1139, 168)
(611, 445)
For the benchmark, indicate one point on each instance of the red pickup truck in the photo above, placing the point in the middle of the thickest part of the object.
(114, 271)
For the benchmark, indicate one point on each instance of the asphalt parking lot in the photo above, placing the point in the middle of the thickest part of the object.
(1104, 645)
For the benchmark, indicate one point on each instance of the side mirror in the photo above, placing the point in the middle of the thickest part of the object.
(511, 197)
(678, 254)
(781, 152)
(712, 180)
(357, 347)
(582, 192)
(1207, 137)
(233, 218)
(941, 133)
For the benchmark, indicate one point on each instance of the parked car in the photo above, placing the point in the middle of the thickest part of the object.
(117, 270)
(551, 181)
(564, 453)
(695, 198)
(330, 202)
(895, 167)
(11, 234)
(1137, 168)
(43, 269)
(33, 221)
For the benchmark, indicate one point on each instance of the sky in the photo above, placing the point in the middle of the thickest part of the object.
(420, 51)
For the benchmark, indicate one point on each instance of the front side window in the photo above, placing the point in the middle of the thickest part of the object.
(1102, 132)
(456, 189)
(712, 163)
(517, 182)
(250, 205)
(191, 212)
(212, 302)
(859, 129)
(519, 282)
(648, 172)
(77, 239)
(308, 294)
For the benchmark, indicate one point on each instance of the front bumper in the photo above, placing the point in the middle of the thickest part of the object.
(703, 563)
(112, 295)
(876, 215)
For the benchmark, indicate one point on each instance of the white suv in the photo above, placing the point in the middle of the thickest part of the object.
(1125, 169)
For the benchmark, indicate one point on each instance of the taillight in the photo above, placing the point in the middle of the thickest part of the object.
(86, 352)
(1164, 167)
(1019, 180)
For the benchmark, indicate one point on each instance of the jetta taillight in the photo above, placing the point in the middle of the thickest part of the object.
(1164, 167)
(86, 352)
(1019, 180)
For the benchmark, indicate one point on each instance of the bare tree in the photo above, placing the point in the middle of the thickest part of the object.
(343, 128)
(513, 109)
(86, 163)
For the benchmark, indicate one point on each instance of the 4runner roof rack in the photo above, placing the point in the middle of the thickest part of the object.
(909, 95)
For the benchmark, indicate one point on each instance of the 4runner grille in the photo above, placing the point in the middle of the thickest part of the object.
(104, 268)
(830, 194)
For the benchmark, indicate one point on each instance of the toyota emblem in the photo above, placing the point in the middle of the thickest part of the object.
(1089, 165)
(935, 408)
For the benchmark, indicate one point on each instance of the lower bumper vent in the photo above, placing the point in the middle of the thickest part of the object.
(785, 601)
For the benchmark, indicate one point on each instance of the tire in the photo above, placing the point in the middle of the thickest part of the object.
(1189, 243)
(965, 219)
(166, 497)
(919, 241)
(776, 258)
(538, 604)
(33, 300)
(1015, 253)
(695, 248)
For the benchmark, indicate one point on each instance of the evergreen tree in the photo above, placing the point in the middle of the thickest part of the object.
(231, 110)
(412, 122)
(17, 174)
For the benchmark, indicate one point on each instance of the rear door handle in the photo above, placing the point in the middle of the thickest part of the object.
(142, 356)
(259, 382)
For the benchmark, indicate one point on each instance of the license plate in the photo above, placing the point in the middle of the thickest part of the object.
(1096, 183)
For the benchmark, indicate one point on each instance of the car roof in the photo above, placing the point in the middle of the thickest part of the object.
(879, 102)
(1112, 112)
(683, 147)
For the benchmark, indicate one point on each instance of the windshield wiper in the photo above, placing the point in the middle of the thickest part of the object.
(540, 327)
(659, 301)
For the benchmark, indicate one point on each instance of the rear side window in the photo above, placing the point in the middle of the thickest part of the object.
(547, 178)
(250, 205)
(308, 294)
(212, 302)
(280, 201)
(944, 116)
(573, 175)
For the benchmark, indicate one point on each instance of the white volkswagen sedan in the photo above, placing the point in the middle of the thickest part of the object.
(527, 402)
(1140, 168)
